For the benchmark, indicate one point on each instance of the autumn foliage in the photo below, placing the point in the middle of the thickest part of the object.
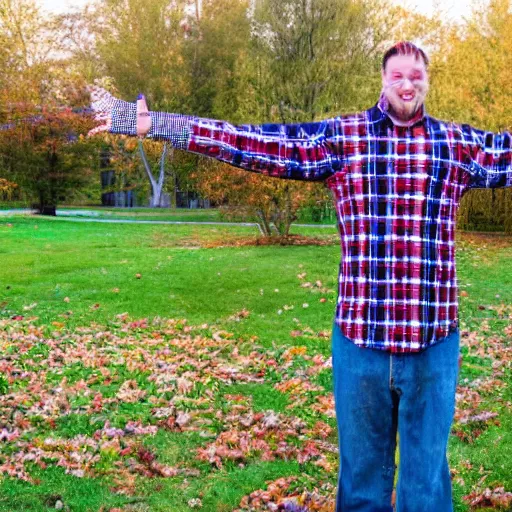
(52, 377)
(47, 155)
(7, 188)
(271, 202)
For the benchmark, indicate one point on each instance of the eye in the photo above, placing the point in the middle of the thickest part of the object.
(397, 76)
(417, 76)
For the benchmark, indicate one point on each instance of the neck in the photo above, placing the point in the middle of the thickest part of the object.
(400, 122)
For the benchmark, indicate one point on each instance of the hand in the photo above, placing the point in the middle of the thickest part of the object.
(143, 117)
(102, 103)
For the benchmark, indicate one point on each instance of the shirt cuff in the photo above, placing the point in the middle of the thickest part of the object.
(174, 127)
(124, 118)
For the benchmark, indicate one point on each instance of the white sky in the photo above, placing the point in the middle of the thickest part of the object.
(456, 9)
(60, 6)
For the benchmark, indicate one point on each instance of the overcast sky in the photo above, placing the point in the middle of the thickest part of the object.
(456, 9)
(60, 6)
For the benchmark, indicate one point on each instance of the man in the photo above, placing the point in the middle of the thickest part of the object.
(397, 177)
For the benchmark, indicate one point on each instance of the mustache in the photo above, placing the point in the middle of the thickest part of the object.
(420, 86)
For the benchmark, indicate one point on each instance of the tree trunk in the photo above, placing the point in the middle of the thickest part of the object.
(47, 196)
(156, 200)
(284, 215)
(508, 210)
(264, 222)
(174, 200)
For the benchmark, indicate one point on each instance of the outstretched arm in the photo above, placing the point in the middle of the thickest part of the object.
(295, 151)
(491, 159)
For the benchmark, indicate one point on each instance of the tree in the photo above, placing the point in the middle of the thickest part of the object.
(139, 45)
(157, 185)
(288, 61)
(48, 155)
(7, 189)
(271, 202)
(314, 55)
(135, 46)
(127, 157)
(31, 73)
(471, 84)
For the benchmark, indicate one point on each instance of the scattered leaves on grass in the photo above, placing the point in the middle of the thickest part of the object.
(99, 377)
(271, 240)
(240, 315)
(280, 495)
(471, 419)
(495, 498)
(88, 399)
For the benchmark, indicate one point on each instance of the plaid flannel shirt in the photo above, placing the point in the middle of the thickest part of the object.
(396, 189)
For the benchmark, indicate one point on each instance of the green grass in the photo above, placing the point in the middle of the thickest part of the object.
(95, 267)
(167, 214)
(9, 205)
(81, 495)
(180, 214)
(76, 274)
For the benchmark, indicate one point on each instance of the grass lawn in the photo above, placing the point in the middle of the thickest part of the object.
(169, 368)
(174, 214)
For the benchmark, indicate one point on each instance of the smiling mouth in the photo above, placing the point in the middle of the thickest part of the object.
(407, 97)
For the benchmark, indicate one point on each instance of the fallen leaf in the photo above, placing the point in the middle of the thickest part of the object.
(497, 497)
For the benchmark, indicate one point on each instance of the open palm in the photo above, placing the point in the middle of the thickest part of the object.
(103, 103)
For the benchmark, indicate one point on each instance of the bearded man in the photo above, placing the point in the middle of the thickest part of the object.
(397, 176)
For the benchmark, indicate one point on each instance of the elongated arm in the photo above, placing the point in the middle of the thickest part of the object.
(295, 151)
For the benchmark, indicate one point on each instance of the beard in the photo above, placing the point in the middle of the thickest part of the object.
(405, 110)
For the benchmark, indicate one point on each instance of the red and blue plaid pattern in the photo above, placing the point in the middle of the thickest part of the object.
(396, 189)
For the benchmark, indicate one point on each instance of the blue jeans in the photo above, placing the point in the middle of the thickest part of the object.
(378, 394)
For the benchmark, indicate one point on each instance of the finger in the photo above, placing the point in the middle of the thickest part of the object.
(96, 130)
(101, 116)
(102, 128)
(142, 106)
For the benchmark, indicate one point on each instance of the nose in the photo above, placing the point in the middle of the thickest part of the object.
(407, 84)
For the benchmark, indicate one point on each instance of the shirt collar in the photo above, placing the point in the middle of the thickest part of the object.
(383, 106)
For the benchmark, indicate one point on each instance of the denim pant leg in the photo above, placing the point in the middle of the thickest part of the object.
(426, 383)
(366, 418)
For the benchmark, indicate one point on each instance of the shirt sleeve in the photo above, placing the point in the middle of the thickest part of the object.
(295, 151)
(123, 113)
(490, 165)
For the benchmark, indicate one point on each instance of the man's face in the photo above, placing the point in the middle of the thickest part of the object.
(405, 85)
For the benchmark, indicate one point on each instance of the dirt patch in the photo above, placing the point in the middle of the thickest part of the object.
(198, 240)
(498, 240)
(272, 240)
